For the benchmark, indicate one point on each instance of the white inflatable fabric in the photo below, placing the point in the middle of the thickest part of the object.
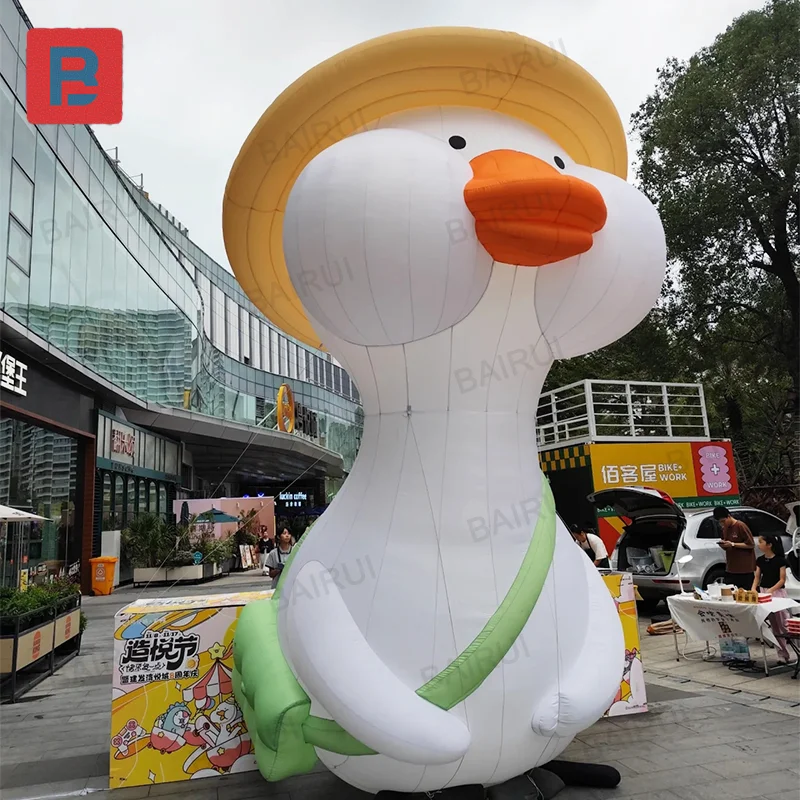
(449, 349)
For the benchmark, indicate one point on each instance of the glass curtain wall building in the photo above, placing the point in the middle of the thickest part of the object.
(93, 267)
(109, 288)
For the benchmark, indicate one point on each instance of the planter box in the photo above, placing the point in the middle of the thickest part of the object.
(41, 647)
(149, 575)
(192, 573)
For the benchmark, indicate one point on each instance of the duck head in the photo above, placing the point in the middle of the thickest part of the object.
(391, 235)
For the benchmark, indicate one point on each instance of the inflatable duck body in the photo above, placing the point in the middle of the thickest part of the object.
(439, 613)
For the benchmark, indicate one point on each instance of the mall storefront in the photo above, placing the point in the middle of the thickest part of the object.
(47, 462)
(138, 472)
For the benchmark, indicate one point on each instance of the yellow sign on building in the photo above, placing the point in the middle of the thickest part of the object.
(668, 466)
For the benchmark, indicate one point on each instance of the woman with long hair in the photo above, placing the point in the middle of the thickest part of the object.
(770, 578)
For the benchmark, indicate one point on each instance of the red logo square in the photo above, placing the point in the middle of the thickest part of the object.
(74, 76)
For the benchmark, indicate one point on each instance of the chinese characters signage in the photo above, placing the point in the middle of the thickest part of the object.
(692, 470)
(159, 657)
(123, 443)
(12, 375)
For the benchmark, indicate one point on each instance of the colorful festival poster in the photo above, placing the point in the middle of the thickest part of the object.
(173, 713)
(631, 698)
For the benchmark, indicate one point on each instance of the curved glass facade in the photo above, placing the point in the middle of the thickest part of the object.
(88, 263)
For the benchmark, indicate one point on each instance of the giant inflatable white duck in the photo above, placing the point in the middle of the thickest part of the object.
(445, 211)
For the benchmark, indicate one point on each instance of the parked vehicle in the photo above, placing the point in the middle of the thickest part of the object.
(657, 533)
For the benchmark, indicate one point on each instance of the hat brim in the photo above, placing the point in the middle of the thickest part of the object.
(467, 67)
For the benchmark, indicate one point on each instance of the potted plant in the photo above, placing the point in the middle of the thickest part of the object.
(42, 622)
(191, 539)
(146, 544)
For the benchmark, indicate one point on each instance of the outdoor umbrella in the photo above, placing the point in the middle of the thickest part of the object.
(216, 516)
(8, 514)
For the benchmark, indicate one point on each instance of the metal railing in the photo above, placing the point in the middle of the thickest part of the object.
(620, 411)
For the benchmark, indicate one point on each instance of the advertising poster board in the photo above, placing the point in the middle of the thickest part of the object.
(631, 698)
(173, 713)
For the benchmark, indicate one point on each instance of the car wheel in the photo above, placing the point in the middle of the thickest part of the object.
(713, 575)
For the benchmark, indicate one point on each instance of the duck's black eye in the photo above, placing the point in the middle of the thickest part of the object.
(457, 142)
(559, 162)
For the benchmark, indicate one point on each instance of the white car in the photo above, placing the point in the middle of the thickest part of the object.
(653, 522)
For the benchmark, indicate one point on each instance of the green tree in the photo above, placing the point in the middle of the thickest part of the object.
(720, 156)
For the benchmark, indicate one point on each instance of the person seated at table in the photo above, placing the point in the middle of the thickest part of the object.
(770, 578)
(737, 542)
(591, 544)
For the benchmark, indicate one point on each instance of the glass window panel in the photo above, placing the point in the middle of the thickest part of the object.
(284, 355)
(171, 459)
(82, 140)
(153, 493)
(24, 141)
(119, 498)
(8, 60)
(244, 332)
(149, 452)
(109, 210)
(21, 196)
(42, 240)
(59, 276)
(17, 287)
(95, 158)
(19, 245)
(264, 346)
(162, 500)
(255, 342)
(66, 148)
(118, 329)
(275, 361)
(218, 319)
(232, 339)
(77, 234)
(132, 509)
(337, 379)
(22, 82)
(107, 521)
(80, 172)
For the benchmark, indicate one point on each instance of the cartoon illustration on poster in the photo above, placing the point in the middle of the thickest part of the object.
(174, 716)
(631, 697)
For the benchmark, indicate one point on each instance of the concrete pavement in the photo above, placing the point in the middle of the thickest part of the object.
(709, 735)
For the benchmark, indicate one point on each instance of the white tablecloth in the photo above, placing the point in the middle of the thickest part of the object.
(705, 620)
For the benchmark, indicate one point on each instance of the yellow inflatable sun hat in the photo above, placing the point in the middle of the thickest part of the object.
(469, 67)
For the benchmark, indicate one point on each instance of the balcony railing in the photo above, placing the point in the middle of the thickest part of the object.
(621, 411)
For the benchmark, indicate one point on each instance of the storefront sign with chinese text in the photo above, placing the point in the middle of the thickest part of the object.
(123, 442)
(687, 471)
(12, 374)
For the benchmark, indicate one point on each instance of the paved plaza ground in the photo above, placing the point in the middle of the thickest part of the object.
(710, 734)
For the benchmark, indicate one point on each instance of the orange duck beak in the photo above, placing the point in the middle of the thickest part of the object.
(530, 213)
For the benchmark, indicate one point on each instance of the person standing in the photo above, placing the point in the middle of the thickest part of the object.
(279, 556)
(264, 545)
(739, 546)
(771, 578)
(592, 545)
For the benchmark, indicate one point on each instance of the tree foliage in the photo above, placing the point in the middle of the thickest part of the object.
(719, 154)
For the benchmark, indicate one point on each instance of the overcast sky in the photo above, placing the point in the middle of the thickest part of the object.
(199, 73)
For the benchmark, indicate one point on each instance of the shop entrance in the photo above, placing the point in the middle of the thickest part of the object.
(38, 473)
